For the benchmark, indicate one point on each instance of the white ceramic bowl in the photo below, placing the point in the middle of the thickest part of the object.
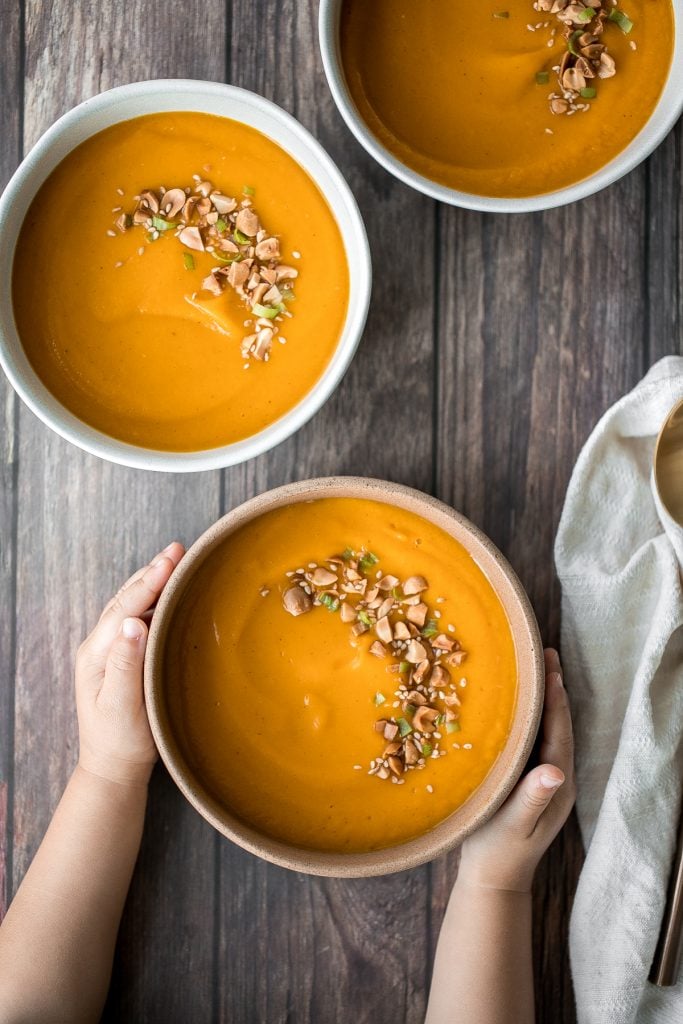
(663, 118)
(129, 101)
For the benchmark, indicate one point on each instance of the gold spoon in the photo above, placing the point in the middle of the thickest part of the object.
(668, 476)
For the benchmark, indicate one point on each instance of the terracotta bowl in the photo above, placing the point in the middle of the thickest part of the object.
(502, 776)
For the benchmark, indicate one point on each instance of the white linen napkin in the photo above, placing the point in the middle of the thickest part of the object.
(618, 558)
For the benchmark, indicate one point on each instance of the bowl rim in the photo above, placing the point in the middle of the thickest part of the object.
(339, 198)
(662, 119)
(503, 774)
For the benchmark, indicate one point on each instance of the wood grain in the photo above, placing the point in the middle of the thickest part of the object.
(11, 114)
(492, 347)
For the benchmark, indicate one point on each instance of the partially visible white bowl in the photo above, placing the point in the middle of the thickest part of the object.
(122, 104)
(663, 118)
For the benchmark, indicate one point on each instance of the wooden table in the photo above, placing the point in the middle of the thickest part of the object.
(494, 344)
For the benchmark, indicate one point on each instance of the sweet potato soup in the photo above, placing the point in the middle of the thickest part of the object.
(155, 277)
(508, 98)
(340, 674)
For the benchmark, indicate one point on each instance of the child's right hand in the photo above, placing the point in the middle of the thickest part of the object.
(504, 853)
(115, 739)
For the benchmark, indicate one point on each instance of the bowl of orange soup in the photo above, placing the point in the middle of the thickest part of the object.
(187, 276)
(344, 676)
(506, 105)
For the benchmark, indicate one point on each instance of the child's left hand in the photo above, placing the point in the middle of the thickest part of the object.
(115, 739)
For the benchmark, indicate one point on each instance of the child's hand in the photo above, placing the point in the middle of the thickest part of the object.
(115, 738)
(505, 852)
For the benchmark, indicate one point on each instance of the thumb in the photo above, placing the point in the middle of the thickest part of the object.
(531, 797)
(123, 669)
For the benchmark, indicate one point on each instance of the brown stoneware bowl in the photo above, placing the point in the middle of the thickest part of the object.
(503, 775)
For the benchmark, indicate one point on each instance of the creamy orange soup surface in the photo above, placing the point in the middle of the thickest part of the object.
(277, 713)
(119, 327)
(460, 91)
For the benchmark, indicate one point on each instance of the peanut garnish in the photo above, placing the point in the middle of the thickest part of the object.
(582, 24)
(397, 618)
(231, 233)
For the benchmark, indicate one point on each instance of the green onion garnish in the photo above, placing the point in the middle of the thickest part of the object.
(586, 15)
(347, 554)
(427, 749)
(542, 78)
(572, 40)
(410, 709)
(162, 225)
(237, 258)
(404, 727)
(404, 666)
(188, 260)
(379, 699)
(221, 224)
(622, 20)
(452, 726)
(364, 618)
(248, 190)
(430, 629)
(589, 93)
(367, 561)
(330, 602)
(242, 238)
(267, 311)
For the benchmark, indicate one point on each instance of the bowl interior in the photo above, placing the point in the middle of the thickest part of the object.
(662, 120)
(505, 771)
(132, 101)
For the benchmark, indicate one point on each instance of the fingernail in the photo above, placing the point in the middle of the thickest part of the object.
(556, 679)
(158, 560)
(131, 629)
(168, 547)
(551, 781)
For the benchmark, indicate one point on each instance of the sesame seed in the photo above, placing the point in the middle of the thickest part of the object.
(245, 366)
(358, 767)
(548, 131)
(467, 746)
(119, 264)
(120, 192)
(430, 789)
(437, 614)
(141, 250)
(632, 44)
(296, 255)
(112, 234)
(451, 628)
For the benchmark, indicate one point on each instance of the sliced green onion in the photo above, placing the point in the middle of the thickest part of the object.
(227, 259)
(221, 224)
(267, 311)
(430, 629)
(452, 726)
(404, 666)
(586, 15)
(242, 238)
(410, 709)
(542, 78)
(347, 554)
(379, 699)
(367, 561)
(427, 749)
(188, 260)
(248, 190)
(404, 727)
(330, 602)
(589, 93)
(572, 40)
(364, 617)
(162, 225)
(622, 20)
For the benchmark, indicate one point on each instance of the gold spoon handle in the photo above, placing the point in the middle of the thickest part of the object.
(667, 956)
